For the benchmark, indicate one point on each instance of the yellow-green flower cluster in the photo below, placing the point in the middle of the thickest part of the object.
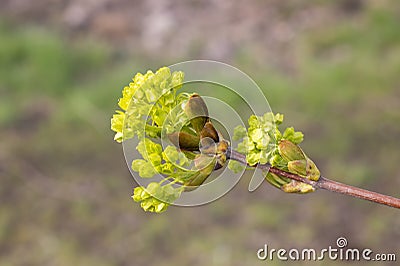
(155, 198)
(117, 125)
(259, 140)
(170, 161)
(146, 103)
(263, 143)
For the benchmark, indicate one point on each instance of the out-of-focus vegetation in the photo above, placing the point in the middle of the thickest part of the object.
(65, 188)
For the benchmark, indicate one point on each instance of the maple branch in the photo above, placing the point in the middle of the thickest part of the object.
(324, 183)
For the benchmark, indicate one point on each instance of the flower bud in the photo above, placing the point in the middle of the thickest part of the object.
(205, 165)
(197, 112)
(222, 148)
(209, 131)
(275, 180)
(297, 187)
(184, 141)
(312, 170)
(290, 151)
(298, 167)
(306, 168)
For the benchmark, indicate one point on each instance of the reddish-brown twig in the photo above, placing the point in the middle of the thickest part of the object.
(325, 183)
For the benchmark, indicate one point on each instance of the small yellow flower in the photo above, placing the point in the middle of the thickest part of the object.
(117, 125)
(129, 91)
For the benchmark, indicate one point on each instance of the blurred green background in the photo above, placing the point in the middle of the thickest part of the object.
(333, 69)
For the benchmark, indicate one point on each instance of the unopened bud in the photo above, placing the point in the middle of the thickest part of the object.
(297, 187)
(209, 131)
(197, 112)
(313, 172)
(298, 167)
(290, 151)
(205, 165)
(185, 141)
(275, 180)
